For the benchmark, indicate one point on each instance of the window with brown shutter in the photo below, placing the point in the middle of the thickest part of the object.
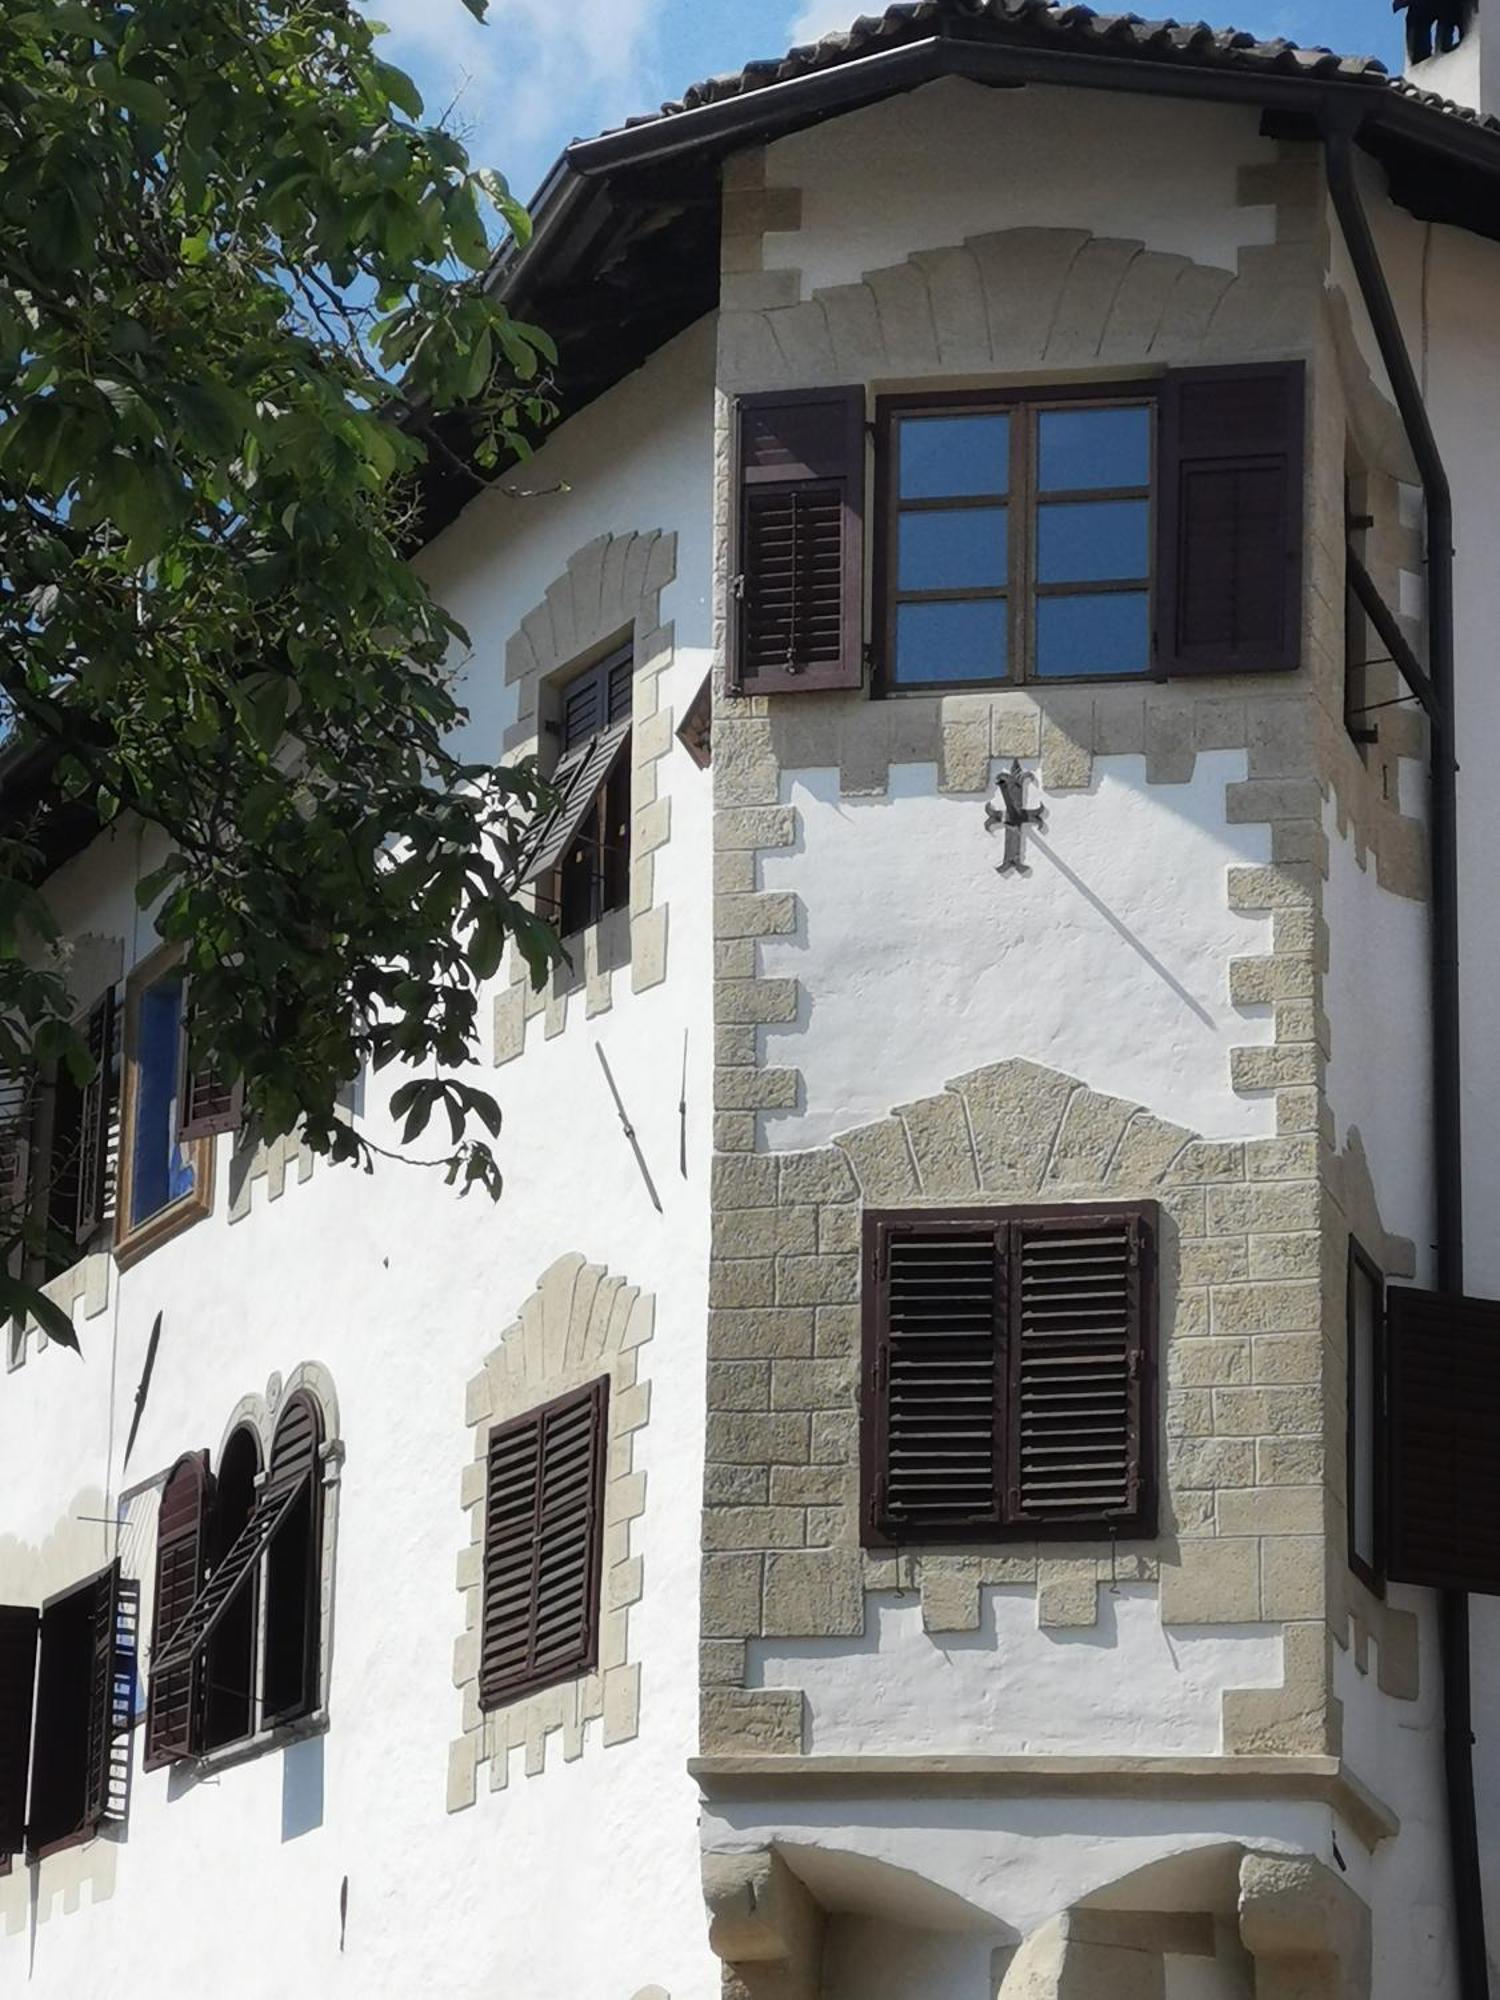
(1230, 523)
(1366, 1424)
(798, 599)
(578, 855)
(207, 1102)
(294, 1567)
(1443, 1391)
(1007, 1385)
(544, 1505)
(80, 1756)
(174, 1702)
(19, 1625)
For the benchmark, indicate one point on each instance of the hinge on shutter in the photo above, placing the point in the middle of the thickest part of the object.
(1133, 1365)
(877, 1371)
(737, 587)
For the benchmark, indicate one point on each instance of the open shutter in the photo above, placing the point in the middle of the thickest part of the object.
(207, 1103)
(18, 1640)
(174, 1701)
(1444, 1418)
(1078, 1363)
(934, 1323)
(1229, 568)
(112, 1669)
(94, 1118)
(798, 611)
(578, 779)
(543, 1534)
(233, 1575)
(15, 1151)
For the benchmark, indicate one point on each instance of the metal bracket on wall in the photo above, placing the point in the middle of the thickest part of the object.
(1014, 815)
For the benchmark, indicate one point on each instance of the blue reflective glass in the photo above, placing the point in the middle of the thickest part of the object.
(964, 549)
(1107, 633)
(1092, 541)
(1083, 448)
(946, 458)
(951, 642)
(160, 1170)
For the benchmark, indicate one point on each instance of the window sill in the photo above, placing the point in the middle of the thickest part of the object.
(227, 1755)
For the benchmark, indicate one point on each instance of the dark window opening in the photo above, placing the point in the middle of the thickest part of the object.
(229, 1655)
(1365, 1481)
(1008, 1373)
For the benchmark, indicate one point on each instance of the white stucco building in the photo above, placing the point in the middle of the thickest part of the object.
(955, 1468)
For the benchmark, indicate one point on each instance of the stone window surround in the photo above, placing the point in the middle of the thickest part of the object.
(608, 594)
(579, 1323)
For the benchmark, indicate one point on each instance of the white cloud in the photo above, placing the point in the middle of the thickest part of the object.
(536, 73)
(826, 17)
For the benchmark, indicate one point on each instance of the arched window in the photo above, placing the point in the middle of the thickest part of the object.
(229, 1655)
(294, 1565)
(182, 1556)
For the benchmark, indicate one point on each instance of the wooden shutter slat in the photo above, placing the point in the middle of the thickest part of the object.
(94, 1119)
(799, 596)
(1229, 564)
(1444, 1415)
(543, 1537)
(19, 1627)
(175, 1693)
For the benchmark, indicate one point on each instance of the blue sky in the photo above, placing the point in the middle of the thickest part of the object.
(541, 72)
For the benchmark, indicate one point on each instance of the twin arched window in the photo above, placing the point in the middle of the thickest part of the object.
(236, 1636)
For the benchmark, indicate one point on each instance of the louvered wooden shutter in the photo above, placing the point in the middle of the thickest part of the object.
(207, 1103)
(1078, 1359)
(1444, 1419)
(798, 609)
(1007, 1373)
(935, 1318)
(1229, 568)
(94, 1119)
(579, 779)
(15, 1151)
(18, 1642)
(173, 1704)
(544, 1506)
(115, 1621)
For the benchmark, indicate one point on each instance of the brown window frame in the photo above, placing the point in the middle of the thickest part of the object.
(1008, 1522)
(1021, 591)
(1371, 1570)
(499, 1692)
(136, 1240)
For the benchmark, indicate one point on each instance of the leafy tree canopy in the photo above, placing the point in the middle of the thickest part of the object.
(225, 231)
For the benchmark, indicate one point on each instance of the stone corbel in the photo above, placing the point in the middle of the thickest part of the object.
(765, 1924)
(1307, 1931)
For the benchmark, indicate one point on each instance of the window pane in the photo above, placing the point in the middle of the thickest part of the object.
(1081, 448)
(1092, 541)
(944, 458)
(160, 1172)
(951, 642)
(961, 550)
(1102, 634)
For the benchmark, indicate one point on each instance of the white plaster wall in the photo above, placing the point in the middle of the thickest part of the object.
(1375, 994)
(974, 159)
(400, 1288)
(1124, 1687)
(1109, 961)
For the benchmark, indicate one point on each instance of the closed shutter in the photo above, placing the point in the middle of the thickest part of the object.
(1229, 569)
(94, 1119)
(18, 1640)
(176, 1693)
(1077, 1366)
(1007, 1373)
(798, 611)
(544, 1506)
(935, 1320)
(1444, 1418)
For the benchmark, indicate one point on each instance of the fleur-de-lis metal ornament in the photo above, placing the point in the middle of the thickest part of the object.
(1014, 815)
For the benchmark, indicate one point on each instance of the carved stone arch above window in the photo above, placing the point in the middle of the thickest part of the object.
(582, 1325)
(608, 598)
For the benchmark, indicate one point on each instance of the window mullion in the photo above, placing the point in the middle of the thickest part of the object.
(1022, 488)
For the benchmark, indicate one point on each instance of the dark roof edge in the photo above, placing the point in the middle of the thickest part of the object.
(780, 106)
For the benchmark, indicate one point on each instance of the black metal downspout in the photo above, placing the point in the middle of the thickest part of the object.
(1339, 127)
